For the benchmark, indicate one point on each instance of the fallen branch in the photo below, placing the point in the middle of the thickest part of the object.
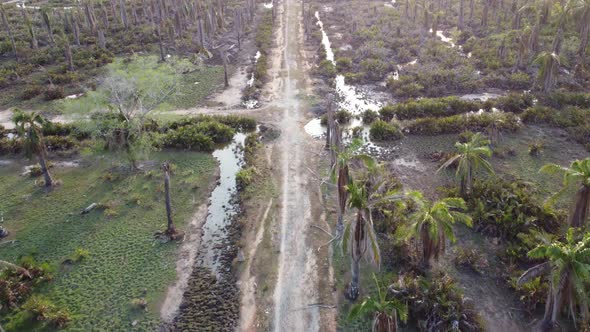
(8, 242)
(322, 305)
(325, 244)
(325, 231)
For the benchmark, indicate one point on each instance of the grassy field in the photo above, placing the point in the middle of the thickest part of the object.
(124, 262)
(194, 83)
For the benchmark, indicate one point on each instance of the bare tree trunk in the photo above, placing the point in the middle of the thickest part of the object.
(484, 15)
(101, 39)
(353, 289)
(171, 229)
(31, 29)
(558, 40)
(105, 15)
(47, 21)
(582, 204)
(224, 60)
(161, 43)
(471, 9)
(8, 31)
(123, 14)
(90, 17)
(461, 13)
(68, 54)
(44, 169)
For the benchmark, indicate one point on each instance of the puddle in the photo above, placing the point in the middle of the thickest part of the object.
(314, 128)
(223, 206)
(440, 34)
(250, 104)
(256, 57)
(74, 96)
(350, 98)
(481, 96)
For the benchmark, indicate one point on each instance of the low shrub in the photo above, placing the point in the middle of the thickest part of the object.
(455, 124)
(188, 138)
(31, 91)
(532, 294)
(437, 303)
(343, 64)
(44, 310)
(342, 116)
(245, 177)
(60, 143)
(563, 98)
(327, 69)
(385, 131)
(504, 209)
(470, 258)
(54, 92)
(429, 107)
(369, 116)
(80, 254)
(513, 103)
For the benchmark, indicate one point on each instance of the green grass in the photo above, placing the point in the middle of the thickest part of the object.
(124, 261)
(149, 75)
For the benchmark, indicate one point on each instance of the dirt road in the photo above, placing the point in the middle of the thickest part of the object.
(297, 279)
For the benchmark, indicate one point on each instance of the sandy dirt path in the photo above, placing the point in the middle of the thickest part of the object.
(297, 278)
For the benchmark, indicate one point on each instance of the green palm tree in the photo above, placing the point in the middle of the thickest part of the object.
(432, 223)
(568, 271)
(549, 62)
(577, 174)
(471, 157)
(341, 171)
(359, 236)
(29, 125)
(384, 311)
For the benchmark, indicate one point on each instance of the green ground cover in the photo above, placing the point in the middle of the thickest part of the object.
(124, 262)
(193, 83)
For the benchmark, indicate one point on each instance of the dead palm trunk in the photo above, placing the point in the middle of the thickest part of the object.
(123, 14)
(88, 9)
(47, 21)
(461, 10)
(171, 230)
(101, 39)
(8, 31)
(427, 247)
(358, 240)
(343, 181)
(44, 169)
(160, 42)
(225, 76)
(30, 28)
(580, 213)
(484, 15)
(584, 34)
(69, 58)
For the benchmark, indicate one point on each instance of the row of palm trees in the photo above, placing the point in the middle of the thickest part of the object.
(431, 225)
(564, 12)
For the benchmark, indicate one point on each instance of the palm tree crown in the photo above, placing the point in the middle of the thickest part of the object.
(384, 311)
(577, 173)
(568, 271)
(471, 157)
(432, 222)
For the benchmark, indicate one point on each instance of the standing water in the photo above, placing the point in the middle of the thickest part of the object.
(223, 205)
(349, 99)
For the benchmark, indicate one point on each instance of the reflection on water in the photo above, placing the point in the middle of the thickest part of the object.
(223, 205)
